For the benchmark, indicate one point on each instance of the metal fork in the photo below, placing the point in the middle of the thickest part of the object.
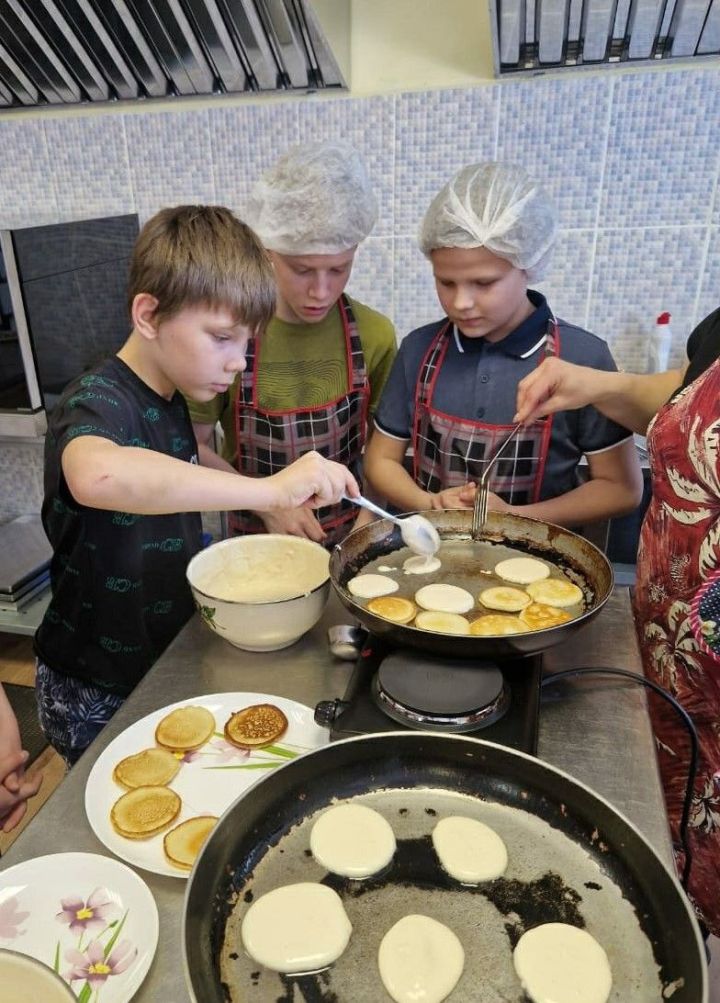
(480, 506)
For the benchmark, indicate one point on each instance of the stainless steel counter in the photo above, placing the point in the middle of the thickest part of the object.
(596, 728)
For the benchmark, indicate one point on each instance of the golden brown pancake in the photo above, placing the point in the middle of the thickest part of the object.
(149, 768)
(185, 728)
(556, 592)
(505, 598)
(442, 623)
(255, 726)
(522, 570)
(538, 616)
(393, 608)
(144, 811)
(495, 623)
(183, 843)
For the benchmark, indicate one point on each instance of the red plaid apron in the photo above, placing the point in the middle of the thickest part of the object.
(450, 451)
(269, 441)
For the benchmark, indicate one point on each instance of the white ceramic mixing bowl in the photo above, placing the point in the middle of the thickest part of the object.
(260, 592)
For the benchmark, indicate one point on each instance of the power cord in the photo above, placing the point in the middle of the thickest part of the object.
(689, 726)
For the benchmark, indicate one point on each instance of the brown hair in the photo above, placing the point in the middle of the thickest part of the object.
(192, 255)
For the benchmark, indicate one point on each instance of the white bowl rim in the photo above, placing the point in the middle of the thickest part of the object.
(260, 602)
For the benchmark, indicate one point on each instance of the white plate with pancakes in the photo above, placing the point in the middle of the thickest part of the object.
(208, 779)
(83, 915)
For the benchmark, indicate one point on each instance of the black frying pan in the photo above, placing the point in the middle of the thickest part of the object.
(625, 895)
(466, 563)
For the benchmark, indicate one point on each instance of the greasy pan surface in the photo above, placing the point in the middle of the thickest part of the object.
(468, 563)
(572, 859)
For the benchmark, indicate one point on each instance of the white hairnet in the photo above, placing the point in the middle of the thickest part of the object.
(496, 206)
(316, 199)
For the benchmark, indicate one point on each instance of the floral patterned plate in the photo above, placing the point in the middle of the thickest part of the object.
(208, 780)
(88, 917)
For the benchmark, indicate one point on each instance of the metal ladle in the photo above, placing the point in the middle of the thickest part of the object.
(417, 532)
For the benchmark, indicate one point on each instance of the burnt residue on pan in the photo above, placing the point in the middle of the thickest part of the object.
(546, 881)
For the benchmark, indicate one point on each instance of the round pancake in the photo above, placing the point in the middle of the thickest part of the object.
(444, 599)
(371, 586)
(494, 624)
(442, 623)
(183, 843)
(255, 726)
(144, 811)
(296, 928)
(555, 592)
(469, 850)
(559, 962)
(149, 768)
(352, 840)
(185, 728)
(393, 608)
(420, 959)
(505, 598)
(421, 565)
(522, 570)
(538, 616)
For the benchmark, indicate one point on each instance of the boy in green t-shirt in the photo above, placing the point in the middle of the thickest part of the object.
(316, 376)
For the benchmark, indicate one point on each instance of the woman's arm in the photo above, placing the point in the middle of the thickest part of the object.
(615, 488)
(630, 399)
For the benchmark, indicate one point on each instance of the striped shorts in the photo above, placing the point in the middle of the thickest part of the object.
(71, 712)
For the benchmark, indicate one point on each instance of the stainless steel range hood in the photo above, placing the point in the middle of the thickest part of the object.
(534, 35)
(60, 52)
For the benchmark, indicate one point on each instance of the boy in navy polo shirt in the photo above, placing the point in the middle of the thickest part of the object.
(123, 488)
(451, 392)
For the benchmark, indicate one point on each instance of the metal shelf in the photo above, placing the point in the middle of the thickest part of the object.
(27, 620)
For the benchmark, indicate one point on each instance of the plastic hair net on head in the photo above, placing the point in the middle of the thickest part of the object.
(316, 199)
(496, 206)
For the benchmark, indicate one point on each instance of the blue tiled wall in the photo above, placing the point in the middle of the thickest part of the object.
(631, 160)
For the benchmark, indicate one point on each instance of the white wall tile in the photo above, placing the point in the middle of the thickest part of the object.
(567, 281)
(90, 166)
(371, 280)
(557, 130)
(637, 275)
(416, 301)
(170, 160)
(437, 133)
(27, 196)
(663, 150)
(245, 140)
(368, 124)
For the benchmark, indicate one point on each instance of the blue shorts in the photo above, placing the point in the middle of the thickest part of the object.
(71, 712)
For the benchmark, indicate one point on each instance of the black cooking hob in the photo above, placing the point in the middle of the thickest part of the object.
(393, 688)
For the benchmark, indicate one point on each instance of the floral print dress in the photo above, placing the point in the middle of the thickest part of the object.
(679, 550)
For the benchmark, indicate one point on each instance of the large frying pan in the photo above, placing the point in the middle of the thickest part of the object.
(573, 859)
(465, 563)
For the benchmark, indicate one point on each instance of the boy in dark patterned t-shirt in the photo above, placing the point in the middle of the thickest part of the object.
(123, 488)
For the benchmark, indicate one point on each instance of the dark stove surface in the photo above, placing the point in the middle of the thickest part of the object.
(474, 684)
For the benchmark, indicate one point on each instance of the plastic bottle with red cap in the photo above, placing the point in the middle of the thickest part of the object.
(659, 345)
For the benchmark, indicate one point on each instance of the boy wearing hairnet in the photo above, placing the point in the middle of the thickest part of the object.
(451, 392)
(315, 375)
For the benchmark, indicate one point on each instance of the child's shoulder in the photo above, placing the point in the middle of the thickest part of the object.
(581, 346)
(372, 322)
(104, 389)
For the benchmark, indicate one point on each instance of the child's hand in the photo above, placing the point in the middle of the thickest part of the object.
(293, 522)
(313, 481)
(459, 497)
(15, 789)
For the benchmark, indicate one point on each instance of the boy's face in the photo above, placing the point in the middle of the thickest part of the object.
(201, 350)
(482, 294)
(309, 285)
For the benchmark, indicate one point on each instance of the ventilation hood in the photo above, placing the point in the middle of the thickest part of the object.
(64, 52)
(534, 35)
